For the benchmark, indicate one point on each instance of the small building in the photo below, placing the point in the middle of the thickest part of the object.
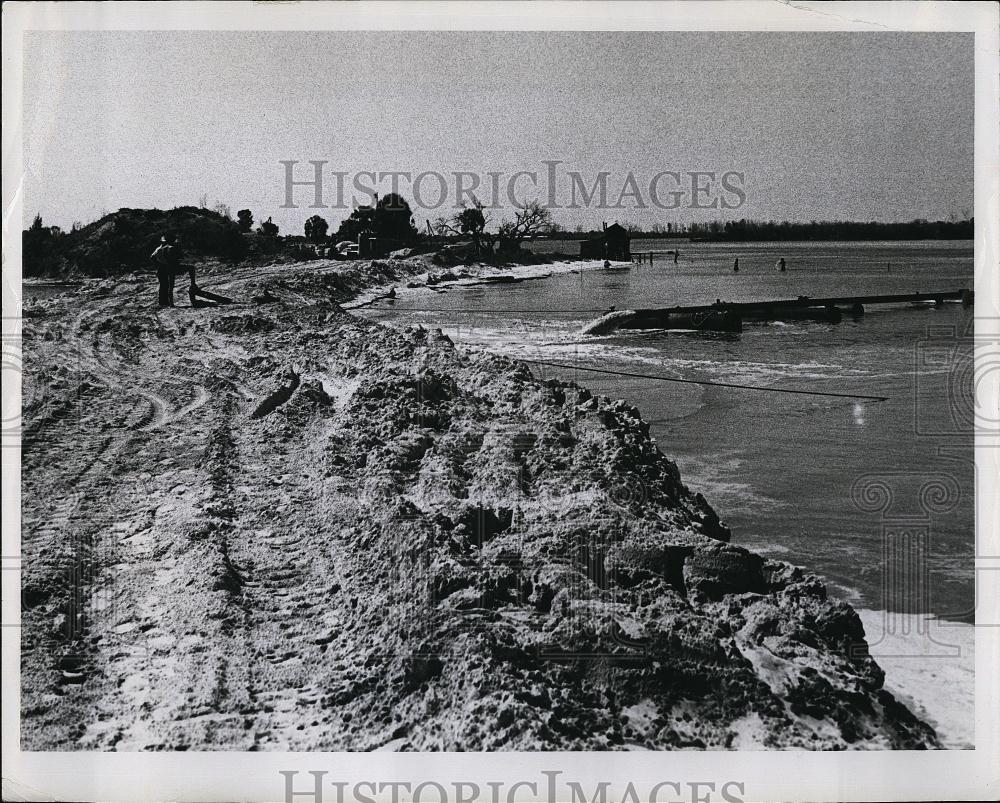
(612, 243)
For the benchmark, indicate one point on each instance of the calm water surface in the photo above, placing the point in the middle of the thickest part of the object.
(822, 482)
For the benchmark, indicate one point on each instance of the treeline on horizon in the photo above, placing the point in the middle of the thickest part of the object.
(756, 230)
(124, 239)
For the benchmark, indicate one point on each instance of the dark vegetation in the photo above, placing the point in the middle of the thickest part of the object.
(122, 241)
(759, 230)
(389, 220)
(316, 229)
(531, 221)
(749, 230)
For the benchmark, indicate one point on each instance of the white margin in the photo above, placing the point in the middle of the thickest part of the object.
(767, 775)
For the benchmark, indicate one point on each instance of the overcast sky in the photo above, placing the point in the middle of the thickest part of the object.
(860, 126)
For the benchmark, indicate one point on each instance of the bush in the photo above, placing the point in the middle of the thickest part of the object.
(40, 249)
(123, 241)
(316, 229)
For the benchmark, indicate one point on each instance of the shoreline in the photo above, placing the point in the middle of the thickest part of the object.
(520, 342)
(955, 723)
(487, 274)
(924, 656)
(395, 440)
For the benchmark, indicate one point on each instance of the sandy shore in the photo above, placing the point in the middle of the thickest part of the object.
(930, 665)
(291, 529)
(429, 281)
(935, 681)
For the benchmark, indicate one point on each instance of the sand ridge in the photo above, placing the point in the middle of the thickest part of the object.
(274, 526)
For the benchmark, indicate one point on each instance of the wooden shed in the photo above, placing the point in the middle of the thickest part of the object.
(612, 243)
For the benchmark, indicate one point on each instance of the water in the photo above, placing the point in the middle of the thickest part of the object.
(779, 468)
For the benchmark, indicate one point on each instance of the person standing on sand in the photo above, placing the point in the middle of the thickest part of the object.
(781, 264)
(736, 265)
(168, 257)
(165, 261)
(677, 253)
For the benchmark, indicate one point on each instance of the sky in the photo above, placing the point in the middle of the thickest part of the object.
(820, 126)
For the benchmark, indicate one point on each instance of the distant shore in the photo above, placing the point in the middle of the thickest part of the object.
(789, 231)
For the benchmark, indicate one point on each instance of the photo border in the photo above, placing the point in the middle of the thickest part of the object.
(766, 775)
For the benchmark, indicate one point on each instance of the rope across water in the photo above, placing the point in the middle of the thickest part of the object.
(706, 381)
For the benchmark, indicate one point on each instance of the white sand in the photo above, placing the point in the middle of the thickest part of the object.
(930, 667)
(479, 274)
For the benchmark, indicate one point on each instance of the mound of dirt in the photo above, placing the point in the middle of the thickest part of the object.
(122, 241)
(318, 533)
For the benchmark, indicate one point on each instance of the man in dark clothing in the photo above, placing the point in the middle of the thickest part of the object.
(165, 259)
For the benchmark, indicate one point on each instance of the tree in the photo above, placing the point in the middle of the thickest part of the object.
(531, 220)
(245, 218)
(358, 224)
(269, 228)
(393, 219)
(316, 229)
(389, 219)
(470, 222)
(40, 248)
